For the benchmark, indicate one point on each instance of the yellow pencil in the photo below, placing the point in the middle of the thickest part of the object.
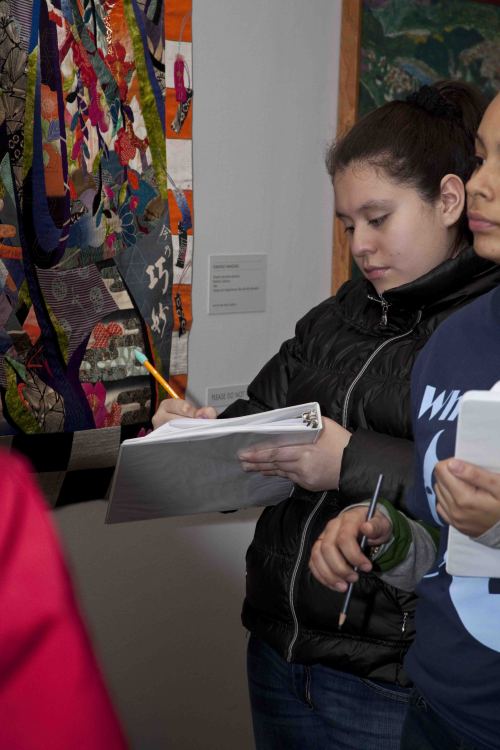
(154, 372)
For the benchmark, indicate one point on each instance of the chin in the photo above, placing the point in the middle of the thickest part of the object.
(488, 247)
(383, 285)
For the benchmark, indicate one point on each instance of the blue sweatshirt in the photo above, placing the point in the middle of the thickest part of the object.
(455, 659)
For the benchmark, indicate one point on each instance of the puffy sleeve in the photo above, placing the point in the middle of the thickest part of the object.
(369, 454)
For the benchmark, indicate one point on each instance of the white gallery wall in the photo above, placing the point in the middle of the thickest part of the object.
(163, 598)
(265, 77)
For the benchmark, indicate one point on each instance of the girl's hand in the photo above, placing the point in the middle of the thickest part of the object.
(468, 497)
(336, 552)
(314, 466)
(173, 408)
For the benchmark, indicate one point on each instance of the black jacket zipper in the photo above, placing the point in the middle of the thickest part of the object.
(316, 508)
(384, 304)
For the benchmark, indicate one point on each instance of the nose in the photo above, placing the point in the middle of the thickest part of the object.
(479, 184)
(362, 241)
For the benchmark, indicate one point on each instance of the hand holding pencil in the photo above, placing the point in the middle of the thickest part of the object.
(337, 556)
(369, 515)
(173, 407)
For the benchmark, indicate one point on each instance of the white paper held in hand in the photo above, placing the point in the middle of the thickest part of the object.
(478, 442)
(191, 465)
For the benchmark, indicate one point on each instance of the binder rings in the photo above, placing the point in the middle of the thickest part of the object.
(191, 465)
(478, 442)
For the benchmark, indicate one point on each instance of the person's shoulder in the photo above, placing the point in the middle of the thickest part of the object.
(316, 313)
(475, 313)
(335, 312)
(349, 293)
(471, 323)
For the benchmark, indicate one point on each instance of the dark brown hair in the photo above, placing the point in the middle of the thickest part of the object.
(417, 141)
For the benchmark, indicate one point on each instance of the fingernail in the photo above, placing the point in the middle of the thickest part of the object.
(243, 456)
(455, 466)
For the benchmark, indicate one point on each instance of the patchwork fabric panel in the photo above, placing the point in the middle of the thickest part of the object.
(93, 221)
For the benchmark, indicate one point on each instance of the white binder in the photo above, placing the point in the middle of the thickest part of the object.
(192, 466)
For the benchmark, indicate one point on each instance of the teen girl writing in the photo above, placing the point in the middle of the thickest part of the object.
(398, 178)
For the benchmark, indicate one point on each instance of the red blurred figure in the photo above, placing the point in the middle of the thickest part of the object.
(52, 694)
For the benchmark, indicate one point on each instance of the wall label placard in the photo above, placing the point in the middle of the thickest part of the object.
(237, 283)
(223, 395)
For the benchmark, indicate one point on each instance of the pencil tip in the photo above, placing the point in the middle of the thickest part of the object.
(342, 619)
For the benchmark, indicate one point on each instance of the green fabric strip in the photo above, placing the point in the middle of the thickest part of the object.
(156, 136)
(29, 111)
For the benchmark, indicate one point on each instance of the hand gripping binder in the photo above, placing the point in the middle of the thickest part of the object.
(191, 466)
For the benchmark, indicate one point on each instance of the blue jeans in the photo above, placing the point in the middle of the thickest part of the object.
(424, 729)
(297, 707)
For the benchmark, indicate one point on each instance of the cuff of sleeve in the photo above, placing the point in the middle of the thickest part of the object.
(390, 554)
(397, 551)
(491, 537)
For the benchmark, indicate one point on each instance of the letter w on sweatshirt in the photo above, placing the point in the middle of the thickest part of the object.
(443, 405)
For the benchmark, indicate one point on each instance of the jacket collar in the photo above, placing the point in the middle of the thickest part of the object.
(453, 282)
(450, 279)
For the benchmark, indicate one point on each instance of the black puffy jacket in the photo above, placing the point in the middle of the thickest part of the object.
(353, 354)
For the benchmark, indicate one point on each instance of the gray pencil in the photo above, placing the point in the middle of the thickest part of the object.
(369, 515)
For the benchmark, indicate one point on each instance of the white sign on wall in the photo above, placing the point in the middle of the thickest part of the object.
(237, 283)
(224, 395)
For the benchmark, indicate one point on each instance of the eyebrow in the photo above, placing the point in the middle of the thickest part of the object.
(368, 205)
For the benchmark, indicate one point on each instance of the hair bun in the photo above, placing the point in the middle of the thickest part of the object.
(430, 99)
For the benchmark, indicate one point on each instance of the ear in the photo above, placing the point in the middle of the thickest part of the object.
(452, 199)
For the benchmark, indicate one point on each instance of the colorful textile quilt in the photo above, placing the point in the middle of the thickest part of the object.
(95, 227)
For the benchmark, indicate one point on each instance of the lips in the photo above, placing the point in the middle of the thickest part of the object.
(479, 223)
(375, 272)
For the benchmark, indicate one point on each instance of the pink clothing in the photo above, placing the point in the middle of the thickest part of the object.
(52, 694)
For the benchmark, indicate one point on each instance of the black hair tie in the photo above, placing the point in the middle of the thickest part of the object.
(430, 99)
